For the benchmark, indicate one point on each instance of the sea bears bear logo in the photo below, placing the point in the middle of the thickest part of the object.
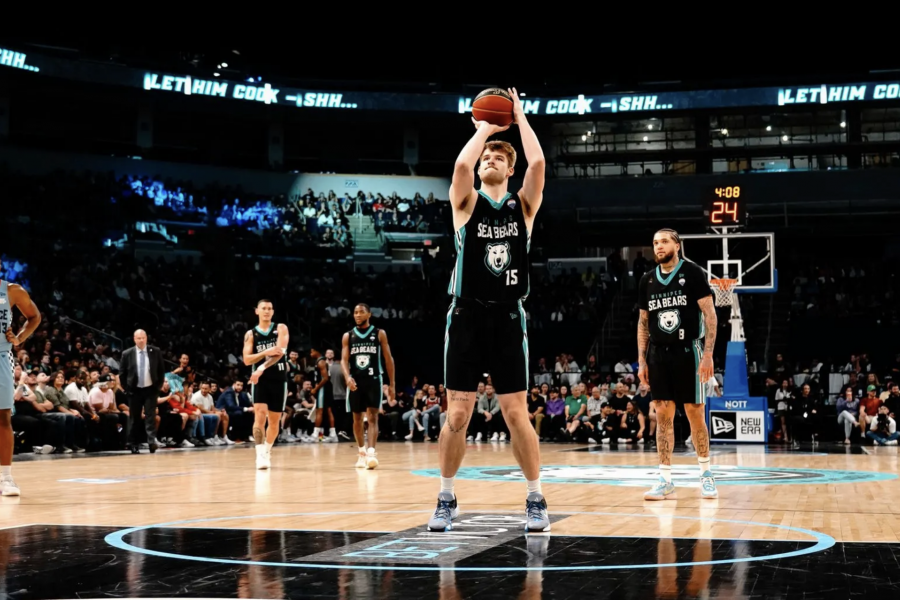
(497, 257)
(669, 320)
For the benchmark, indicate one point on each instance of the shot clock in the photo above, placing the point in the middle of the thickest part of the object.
(725, 207)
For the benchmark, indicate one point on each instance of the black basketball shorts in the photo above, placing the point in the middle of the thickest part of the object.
(673, 373)
(273, 395)
(367, 395)
(486, 338)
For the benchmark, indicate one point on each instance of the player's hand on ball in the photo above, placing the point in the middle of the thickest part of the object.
(643, 374)
(351, 383)
(706, 368)
(518, 111)
(491, 128)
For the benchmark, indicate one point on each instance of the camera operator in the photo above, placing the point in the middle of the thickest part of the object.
(883, 430)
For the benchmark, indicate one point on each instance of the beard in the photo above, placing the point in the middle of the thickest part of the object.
(660, 260)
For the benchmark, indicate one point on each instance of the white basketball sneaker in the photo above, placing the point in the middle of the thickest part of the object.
(8, 487)
(371, 459)
(361, 460)
(261, 457)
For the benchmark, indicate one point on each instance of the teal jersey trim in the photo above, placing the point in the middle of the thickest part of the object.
(362, 335)
(495, 205)
(447, 335)
(666, 279)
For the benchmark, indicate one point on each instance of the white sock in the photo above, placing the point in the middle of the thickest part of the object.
(447, 485)
(362, 450)
(331, 433)
(666, 472)
(704, 464)
(268, 446)
(317, 431)
(534, 486)
(6, 471)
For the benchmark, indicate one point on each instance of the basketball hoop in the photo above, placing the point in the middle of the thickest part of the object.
(724, 289)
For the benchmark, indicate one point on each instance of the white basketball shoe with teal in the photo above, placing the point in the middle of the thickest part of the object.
(708, 485)
(663, 490)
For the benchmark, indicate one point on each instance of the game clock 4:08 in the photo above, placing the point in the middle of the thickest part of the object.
(726, 207)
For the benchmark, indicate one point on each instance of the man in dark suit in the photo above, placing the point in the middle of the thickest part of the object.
(142, 374)
(237, 404)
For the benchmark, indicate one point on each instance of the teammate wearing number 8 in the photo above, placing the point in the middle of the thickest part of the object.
(361, 363)
(677, 312)
(486, 322)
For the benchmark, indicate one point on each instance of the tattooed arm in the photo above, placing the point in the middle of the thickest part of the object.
(643, 339)
(710, 325)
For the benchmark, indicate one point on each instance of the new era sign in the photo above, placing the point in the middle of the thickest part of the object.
(738, 426)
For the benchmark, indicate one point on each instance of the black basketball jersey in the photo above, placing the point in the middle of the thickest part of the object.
(326, 389)
(671, 299)
(365, 354)
(262, 341)
(492, 263)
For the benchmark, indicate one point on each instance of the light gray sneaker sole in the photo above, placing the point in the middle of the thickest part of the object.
(436, 526)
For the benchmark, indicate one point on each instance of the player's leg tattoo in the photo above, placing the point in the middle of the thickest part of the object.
(258, 435)
(462, 427)
(455, 396)
(665, 433)
(700, 437)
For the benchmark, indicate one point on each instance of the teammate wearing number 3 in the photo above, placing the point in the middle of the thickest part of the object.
(486, 322)
(677, 312)
(361, 363)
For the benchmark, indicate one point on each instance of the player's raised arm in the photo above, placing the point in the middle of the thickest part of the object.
(462, 187)
(533, 187)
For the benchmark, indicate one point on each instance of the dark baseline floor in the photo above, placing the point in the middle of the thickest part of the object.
(42, 562)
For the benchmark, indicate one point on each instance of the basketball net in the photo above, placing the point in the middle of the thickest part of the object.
(725, 296)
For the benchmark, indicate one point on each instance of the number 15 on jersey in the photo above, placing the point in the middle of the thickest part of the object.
(512, 277)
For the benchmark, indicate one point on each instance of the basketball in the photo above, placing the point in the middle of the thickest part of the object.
(494, 106)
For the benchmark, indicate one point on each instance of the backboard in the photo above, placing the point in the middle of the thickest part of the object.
(747, 257)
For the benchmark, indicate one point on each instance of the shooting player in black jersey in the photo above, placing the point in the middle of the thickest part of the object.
(361, 363)
(486, 322)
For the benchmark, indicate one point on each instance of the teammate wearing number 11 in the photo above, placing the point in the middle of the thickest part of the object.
(486, 322)
(267, 342)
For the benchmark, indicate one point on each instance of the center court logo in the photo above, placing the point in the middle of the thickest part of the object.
(682, 475)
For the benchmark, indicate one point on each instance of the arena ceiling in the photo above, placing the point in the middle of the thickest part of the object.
(365, 62)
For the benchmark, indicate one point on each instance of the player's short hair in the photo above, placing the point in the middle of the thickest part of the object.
(504, 147)
(264, 300)
(672, 234)
(365, 306)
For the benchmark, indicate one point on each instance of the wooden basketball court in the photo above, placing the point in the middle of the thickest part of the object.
(205, 523)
